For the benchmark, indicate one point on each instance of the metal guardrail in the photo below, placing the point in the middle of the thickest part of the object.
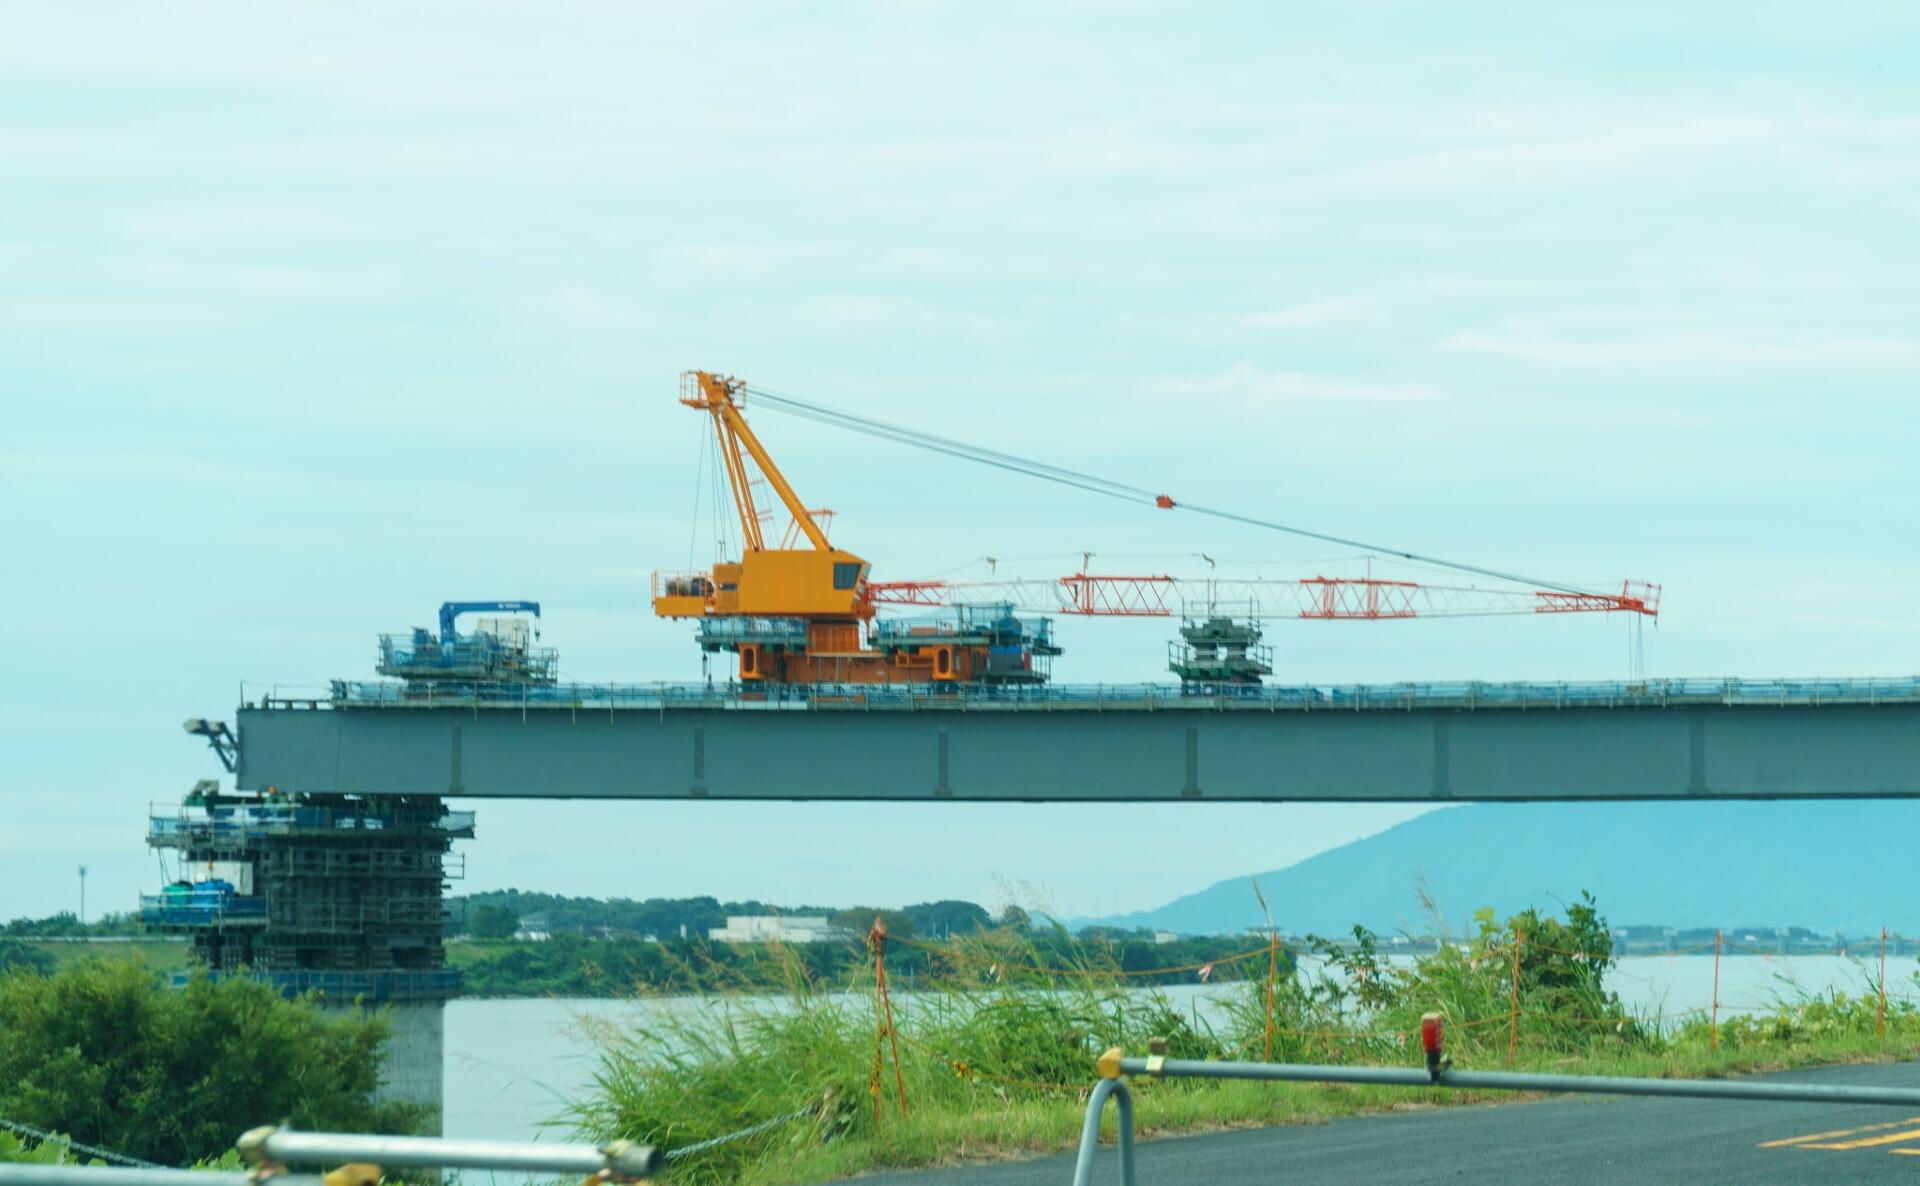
(473, 656)
(95, 1175)
(1114, 1065)
(721, 631)
(271, 1150)
(1292, 698)
(282, 1147)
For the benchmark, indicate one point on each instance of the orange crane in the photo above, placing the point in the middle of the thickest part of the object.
(803, 611)
(796, 615)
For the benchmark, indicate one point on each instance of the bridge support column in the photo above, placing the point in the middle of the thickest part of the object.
(339, 896)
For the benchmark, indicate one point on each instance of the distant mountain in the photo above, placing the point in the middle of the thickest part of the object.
(1828, 865)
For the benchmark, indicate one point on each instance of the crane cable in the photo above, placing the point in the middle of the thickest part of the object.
(835, 417)
(822, 414)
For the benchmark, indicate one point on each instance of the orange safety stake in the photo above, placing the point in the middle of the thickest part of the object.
(884, 1034)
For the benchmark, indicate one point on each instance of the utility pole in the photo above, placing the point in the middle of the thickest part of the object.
(83, 895)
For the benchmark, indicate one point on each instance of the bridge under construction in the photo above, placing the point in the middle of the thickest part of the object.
(324, 868)
(1691, 739)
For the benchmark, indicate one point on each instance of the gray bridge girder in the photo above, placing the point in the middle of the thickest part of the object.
(1162, 754)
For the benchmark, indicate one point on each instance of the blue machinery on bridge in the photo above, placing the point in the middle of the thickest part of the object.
(1114, 1065)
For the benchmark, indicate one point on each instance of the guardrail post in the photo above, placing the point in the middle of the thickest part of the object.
(1110, 1084)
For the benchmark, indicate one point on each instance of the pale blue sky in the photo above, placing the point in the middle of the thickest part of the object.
(312, 316)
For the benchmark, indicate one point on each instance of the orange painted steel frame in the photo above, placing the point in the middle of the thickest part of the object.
(935, 663)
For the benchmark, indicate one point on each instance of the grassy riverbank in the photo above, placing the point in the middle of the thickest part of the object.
(582, 966)
(993, 1063)
(163, 955)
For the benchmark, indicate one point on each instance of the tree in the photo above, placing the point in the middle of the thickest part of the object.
(103, 1052)
(858, 920)
(24, 957)
(66, 924)
(1014, 917)
(947, 917)
(493, 922)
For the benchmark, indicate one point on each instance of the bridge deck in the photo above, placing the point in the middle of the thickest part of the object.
(1687, 739)
(1049, 697)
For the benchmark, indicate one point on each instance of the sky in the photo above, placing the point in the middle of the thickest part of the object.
(315, 315)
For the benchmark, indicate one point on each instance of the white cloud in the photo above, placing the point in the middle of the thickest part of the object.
(856, 312)
(1335, 311)
(1555, 161)
(1251, 387)
(1703, 347)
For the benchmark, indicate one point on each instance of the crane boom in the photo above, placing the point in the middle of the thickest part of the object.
(1328, 598)
(815, 583)
(720, 396)
(804, 613)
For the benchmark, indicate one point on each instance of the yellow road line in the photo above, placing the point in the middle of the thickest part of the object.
(1838, 1132)
(1892, 1138)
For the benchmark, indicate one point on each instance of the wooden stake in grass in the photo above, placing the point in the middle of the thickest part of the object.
(884, 1034)
(1713, 1031)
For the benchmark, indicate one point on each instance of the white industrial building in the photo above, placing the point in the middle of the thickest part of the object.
(773, 928)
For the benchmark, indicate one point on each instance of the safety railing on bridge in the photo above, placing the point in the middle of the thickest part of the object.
(202, 907)
(236, 823)
(376, 987)
(1276, 697)
(765, 631)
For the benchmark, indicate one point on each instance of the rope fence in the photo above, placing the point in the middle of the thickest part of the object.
(106, 1155)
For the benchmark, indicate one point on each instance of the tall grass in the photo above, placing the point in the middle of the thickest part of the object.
(990, 1032)
(996, 1049)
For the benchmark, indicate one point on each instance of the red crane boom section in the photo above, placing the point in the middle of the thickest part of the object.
(1328, 598)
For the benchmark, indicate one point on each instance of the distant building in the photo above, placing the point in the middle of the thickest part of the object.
(1164, 937)
(773, 928)
(621, 934)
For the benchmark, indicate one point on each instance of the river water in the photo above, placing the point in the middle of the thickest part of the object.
(513, 1066)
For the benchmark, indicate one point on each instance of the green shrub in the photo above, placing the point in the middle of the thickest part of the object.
(102, 1051)
(14, 1148)
(16, 956)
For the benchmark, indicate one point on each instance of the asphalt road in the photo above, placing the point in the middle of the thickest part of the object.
(1573, 1139)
